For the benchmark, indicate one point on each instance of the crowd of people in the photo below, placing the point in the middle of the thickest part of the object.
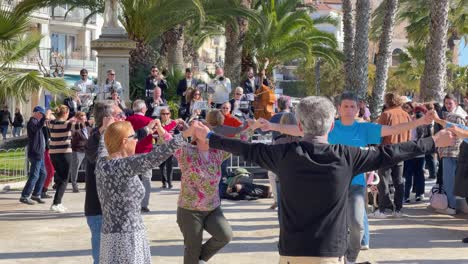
(320, 148)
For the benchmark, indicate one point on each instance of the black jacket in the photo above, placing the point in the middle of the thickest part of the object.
(36, 140)
(150, 108)
(18, 120)
(69, 102)
(149, 86)
(247, 85)
(5, 118)
(182, 87)
(315, 180)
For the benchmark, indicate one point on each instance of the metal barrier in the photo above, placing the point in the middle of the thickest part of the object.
(13, 165)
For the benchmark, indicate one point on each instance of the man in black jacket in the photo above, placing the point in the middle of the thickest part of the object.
(5, 121)
(155, 79)
(36, 148)
(92, 208)
(184, 84)
(314, 229)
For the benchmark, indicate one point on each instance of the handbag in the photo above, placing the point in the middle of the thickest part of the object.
(438, 198)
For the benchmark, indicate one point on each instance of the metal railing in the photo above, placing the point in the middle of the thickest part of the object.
(76, 15)
(13, 165)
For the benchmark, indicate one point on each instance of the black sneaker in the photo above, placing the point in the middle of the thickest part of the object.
(465, 240)
(407, 201)
(145, 210)
(37, 199)
(54, 186)
(75, 189)
(170, 186)
(45, 195)
(26, 201)
(164, 186)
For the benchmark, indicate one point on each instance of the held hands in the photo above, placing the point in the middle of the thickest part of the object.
(444, 138)
(458, 131)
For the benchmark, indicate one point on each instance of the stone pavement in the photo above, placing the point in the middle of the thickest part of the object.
(33, 234)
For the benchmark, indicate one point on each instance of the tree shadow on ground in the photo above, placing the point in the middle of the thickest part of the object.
(30, 215)
(46, 254)
(405, 238)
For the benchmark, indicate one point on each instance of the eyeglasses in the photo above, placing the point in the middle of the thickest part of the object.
(120, 115)
(165, 113)
(134, 136)
(238, 94)
(111, 73)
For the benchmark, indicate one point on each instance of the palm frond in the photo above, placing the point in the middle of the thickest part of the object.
(14, 51)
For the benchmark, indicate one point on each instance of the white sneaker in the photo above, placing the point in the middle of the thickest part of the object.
(349, 262)
(365, 247)
(398, 214)
(448, 211)
(202, 262)
(57, 208)
(63, 207)
(379, 215)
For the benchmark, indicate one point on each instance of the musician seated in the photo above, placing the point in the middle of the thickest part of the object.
(241, 107)
(120, 103)
(196, 107)
(154, 103)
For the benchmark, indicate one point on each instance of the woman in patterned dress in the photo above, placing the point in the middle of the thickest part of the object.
(199, 202)
(120, 191)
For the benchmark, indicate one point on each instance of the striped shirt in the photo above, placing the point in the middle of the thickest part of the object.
(61, 135)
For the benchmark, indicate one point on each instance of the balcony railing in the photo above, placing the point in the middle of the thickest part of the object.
(74, 61)
(76, 15)
(33, 58)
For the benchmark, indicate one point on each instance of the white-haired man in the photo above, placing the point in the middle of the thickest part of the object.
(314, 230)
(145, 145)
(222, 88)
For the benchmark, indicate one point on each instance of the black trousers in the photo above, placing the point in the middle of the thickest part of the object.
(61, 164)
(396, 172)
(166, 171)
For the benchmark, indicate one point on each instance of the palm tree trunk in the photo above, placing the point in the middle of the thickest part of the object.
(348, 50)
(383, 58)
(361, 48)
(234, 45)
(174, 40)
(433, 82)
(318, 63)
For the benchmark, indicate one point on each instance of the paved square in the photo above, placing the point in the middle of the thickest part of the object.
(33, 234)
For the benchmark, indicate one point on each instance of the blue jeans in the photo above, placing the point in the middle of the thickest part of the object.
(448, 174)
(356, 212)
(4, 130)
(17, 131)
(95, 223)
(37, 176)
(366, 238)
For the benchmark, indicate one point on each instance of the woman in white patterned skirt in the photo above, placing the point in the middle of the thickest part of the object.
(123, 236)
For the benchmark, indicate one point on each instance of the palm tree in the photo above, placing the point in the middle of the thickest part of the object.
(286, 34)
(383, 58)
(236, 31)
(15, 43)
(361, 48)
(411, 67)
(348, 45)
(433, 83)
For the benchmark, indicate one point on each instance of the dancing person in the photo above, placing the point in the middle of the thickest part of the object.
(314, 230)
(61, 152)
(93, 211)
(199, 201)
(145, 145)
(123, 236)
(36, 148)
(78, 144)
(17, 123)
(171, 127)
(49, 167)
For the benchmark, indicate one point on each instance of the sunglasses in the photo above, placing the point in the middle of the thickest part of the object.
(225, 108)
(84, 74)
(165, 113)
(197, 94)
(111, 73)
(238, 94)
(132, 136)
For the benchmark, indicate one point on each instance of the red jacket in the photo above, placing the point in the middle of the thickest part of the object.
(144, 145)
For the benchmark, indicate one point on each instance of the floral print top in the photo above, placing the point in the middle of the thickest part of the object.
(200, 178)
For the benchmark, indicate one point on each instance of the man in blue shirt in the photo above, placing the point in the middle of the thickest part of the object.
(349, 132)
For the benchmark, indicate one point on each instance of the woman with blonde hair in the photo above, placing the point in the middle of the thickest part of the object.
(60, 150)
(123, 236)
(194, 96)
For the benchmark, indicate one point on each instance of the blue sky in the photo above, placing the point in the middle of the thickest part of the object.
(463, 56)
